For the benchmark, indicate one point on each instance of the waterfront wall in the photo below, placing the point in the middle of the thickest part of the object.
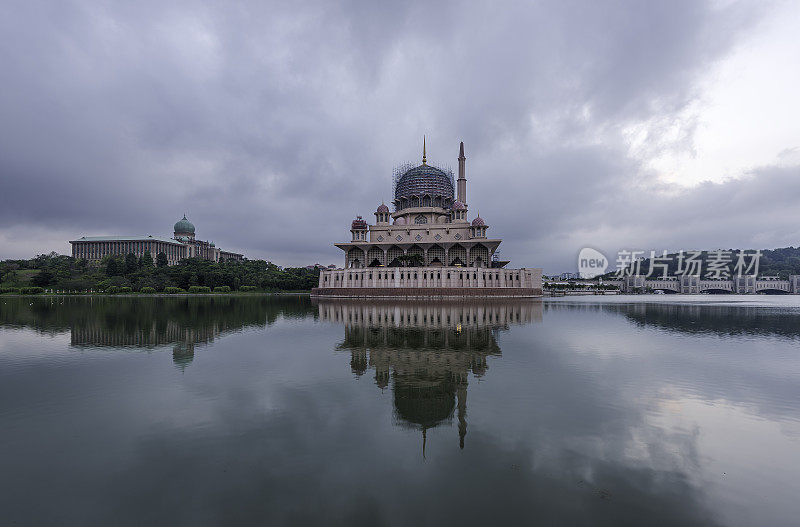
(454, 314)
(429, 281)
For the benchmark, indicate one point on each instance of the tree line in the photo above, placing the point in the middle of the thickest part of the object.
(65, 273)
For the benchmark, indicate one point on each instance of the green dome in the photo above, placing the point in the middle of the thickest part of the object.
(184, 226)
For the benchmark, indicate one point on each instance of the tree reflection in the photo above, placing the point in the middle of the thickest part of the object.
(150, 322)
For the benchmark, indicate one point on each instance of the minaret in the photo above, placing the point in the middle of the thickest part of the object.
(462, 180)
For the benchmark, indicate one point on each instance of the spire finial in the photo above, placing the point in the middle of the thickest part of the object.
(461, 151)
(424, 161)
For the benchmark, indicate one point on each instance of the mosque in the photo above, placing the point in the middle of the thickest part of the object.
(183, 244)
(427, 245)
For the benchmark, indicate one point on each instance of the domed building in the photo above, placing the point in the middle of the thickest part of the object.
(184, 228)
(429, 228)
(183, 244)
(184, 233)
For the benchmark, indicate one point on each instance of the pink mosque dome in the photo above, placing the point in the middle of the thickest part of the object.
(383, 208)
(358, 223)
(478, 222)
(400, 221)
(457, 205)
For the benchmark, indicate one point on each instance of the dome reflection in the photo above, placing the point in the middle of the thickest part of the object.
(425, 350)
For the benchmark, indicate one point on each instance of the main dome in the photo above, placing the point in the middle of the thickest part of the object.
(184, 226)
(424, 180)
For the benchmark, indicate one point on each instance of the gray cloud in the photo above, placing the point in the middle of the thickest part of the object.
(273, 125)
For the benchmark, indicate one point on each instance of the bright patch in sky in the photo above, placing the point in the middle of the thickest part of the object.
(745, 115)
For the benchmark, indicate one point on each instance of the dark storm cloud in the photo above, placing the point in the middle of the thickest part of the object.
(272, 125)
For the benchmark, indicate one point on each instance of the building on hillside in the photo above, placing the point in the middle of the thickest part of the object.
(428, 244)
(182, 245)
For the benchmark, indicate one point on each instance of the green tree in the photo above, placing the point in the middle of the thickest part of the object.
(146, 261)
(161, 260)
(415, 260)
(42, 279)
(131, 264)
(112, 267)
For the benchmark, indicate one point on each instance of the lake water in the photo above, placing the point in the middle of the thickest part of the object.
(274, 411)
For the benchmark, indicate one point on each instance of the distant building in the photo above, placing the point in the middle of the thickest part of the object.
(184, 233)
(182, 245)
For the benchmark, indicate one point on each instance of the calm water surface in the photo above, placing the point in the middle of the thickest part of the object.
(273, 411)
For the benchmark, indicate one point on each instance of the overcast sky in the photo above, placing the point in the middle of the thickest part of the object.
(616, 125)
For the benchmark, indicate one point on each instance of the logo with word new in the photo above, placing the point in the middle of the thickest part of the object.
(591, 263)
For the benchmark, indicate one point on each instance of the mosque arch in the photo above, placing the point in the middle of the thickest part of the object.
(436, 256)
(375, 257)
(355, 258)
(457, 255)
(393, 256)
(416, 250)
(479, 256)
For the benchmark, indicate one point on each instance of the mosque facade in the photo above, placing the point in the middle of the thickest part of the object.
(427, 245)
(182, 245)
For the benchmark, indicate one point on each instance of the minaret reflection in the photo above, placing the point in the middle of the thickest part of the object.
(425, 350)
(183, 354)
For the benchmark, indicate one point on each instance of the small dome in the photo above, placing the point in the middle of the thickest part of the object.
(457, 205)
(478, 222)
(212, 244)
(359, 223)
(184, 226)
(383, 208)
(400, 221)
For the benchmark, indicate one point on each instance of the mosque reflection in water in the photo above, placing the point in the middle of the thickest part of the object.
(425, 351)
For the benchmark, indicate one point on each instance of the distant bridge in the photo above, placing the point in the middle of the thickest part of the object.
(745, 285)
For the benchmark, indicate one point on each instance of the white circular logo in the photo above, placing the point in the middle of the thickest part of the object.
(591, 263)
